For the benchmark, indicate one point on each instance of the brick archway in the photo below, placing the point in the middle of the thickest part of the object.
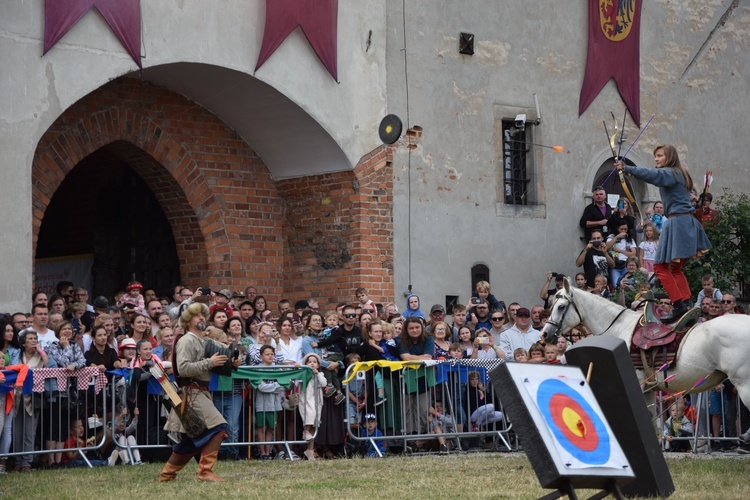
(167, 167)
(320, 235)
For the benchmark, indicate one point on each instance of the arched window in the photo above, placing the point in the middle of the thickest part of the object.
(479, 272)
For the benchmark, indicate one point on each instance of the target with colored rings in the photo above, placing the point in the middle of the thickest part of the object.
(574, 423)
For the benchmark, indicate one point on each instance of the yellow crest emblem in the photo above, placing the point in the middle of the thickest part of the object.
(616, 18)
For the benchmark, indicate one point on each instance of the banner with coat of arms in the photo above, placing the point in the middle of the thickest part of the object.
(613, 52)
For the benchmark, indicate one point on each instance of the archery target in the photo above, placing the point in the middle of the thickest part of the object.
(578, 430)
(575, 425)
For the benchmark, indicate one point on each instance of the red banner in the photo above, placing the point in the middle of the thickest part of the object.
(123, 16)
(613, 52)
(318, 20)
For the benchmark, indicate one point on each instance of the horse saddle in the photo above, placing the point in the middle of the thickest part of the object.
(651, 332)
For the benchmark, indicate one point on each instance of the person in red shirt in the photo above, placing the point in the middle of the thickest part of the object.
(76, 440)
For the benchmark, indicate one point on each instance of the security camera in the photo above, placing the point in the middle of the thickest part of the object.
(521, 121)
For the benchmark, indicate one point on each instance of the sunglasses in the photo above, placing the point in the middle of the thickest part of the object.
(350, 315)
(497, 318)
(727, 302)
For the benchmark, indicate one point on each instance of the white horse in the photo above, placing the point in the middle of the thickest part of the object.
(719, 348)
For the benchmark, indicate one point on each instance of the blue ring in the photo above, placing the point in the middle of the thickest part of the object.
(545, 392)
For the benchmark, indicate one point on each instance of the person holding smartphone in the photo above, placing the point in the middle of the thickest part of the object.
(595, 259)
(623, 213)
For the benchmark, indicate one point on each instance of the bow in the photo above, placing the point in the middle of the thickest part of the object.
(616, 156)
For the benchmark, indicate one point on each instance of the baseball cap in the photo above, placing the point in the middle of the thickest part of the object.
(523, 312)
(370, 416)
(437, 307)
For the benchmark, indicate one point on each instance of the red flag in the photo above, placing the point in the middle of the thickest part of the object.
(613, 52)
(123, 16)
(318, 20)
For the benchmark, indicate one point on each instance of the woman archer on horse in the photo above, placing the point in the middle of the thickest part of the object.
(682, 236)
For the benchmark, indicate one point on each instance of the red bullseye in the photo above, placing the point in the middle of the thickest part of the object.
(574, 422)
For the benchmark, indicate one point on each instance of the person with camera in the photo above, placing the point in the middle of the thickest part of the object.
(480, 317)
(623, 214)
(547, 293)
(192, 371)
(595, 259)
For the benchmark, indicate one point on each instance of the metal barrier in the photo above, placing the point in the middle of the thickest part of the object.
(418, 406)
(717, 416)
(449, 403)
(56, 412)
(236, 399)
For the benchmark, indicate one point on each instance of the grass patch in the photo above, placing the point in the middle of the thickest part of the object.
(506, 475)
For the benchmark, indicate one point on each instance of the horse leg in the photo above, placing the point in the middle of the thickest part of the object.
(743, 390)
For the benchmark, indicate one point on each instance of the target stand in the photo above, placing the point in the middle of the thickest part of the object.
(562, 429)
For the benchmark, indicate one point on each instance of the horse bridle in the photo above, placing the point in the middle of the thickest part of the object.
(558, 324)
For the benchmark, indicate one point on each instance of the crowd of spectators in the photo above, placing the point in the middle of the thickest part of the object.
(137, 328)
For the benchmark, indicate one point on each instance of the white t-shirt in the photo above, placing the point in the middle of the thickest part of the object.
(649, 249)
(45, 339)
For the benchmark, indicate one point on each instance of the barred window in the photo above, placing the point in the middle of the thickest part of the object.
(516, 164)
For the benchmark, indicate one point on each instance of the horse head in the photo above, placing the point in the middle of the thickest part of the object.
(561, 318)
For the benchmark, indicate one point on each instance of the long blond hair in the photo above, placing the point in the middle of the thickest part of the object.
(673, 161)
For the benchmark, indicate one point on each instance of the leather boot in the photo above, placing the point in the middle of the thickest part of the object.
(175, 463)
(679, 308)
(209, 455)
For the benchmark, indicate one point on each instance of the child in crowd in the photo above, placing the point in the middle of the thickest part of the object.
(387, 347)
(644, 293)
(520, 355)
(332, 321)
(550, 354)
(311, 402)
(120, 298)
(389, 344)
(371, 430)
(708, 290)
(365, 303)
(536, 353)
(76, 440)
(134, 296)
(125, 436)
(483, 290)
(677, 425)
(267, 403)
(440, 423)
(455, 351)
(562, 346)
(482, 412)
(412, 307)
(331, 352)
(77, 309)
(647, 247)
(357, 393)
